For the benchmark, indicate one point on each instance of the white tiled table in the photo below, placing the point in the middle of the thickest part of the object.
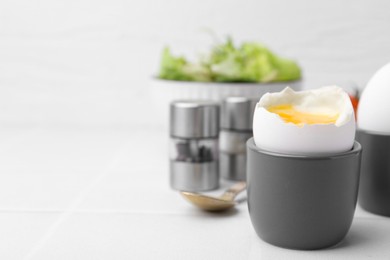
(102, 193)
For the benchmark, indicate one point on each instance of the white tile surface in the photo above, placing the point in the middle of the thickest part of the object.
(148, 236)
(199, 236)
(20, 231)
(110, 199)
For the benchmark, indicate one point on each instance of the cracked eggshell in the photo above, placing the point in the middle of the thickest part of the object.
(272, 133)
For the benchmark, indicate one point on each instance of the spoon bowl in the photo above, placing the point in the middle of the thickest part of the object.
(210, 203)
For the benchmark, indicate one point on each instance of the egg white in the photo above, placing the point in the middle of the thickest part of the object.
(272, 133)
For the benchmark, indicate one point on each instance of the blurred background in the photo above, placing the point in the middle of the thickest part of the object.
(89, 62)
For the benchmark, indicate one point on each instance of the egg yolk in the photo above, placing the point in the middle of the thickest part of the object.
(291, 115)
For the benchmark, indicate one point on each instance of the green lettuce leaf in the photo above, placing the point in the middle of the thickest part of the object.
(251, 62)
(173, 67)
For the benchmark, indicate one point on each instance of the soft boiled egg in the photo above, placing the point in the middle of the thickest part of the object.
(311, 122)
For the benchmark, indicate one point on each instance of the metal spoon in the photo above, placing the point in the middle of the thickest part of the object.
(209, 203)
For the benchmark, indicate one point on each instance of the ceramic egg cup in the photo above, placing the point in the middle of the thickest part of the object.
(374, 190)
(302, 202)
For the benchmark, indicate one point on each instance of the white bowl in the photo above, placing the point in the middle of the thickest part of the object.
(163, 92)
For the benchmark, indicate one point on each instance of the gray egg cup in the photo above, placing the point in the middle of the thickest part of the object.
(374, 190)
(302, 202)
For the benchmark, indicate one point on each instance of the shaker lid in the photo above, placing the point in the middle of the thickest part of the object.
(194, 119)
(237, 113)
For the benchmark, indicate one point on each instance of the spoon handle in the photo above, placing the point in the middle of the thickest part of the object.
(234, 190)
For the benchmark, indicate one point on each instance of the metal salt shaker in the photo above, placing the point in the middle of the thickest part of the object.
(194, 157)
(236, 129)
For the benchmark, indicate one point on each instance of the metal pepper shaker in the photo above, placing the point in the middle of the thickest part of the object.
(236, 129)
(194, 156)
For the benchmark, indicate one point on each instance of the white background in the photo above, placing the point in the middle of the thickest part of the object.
(57, 55)
(83, 169)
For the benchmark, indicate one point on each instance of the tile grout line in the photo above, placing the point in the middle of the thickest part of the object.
(68, 211)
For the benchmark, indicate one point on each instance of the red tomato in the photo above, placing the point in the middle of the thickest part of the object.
(355, 102)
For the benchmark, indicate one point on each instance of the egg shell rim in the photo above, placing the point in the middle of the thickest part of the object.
(355, 148)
